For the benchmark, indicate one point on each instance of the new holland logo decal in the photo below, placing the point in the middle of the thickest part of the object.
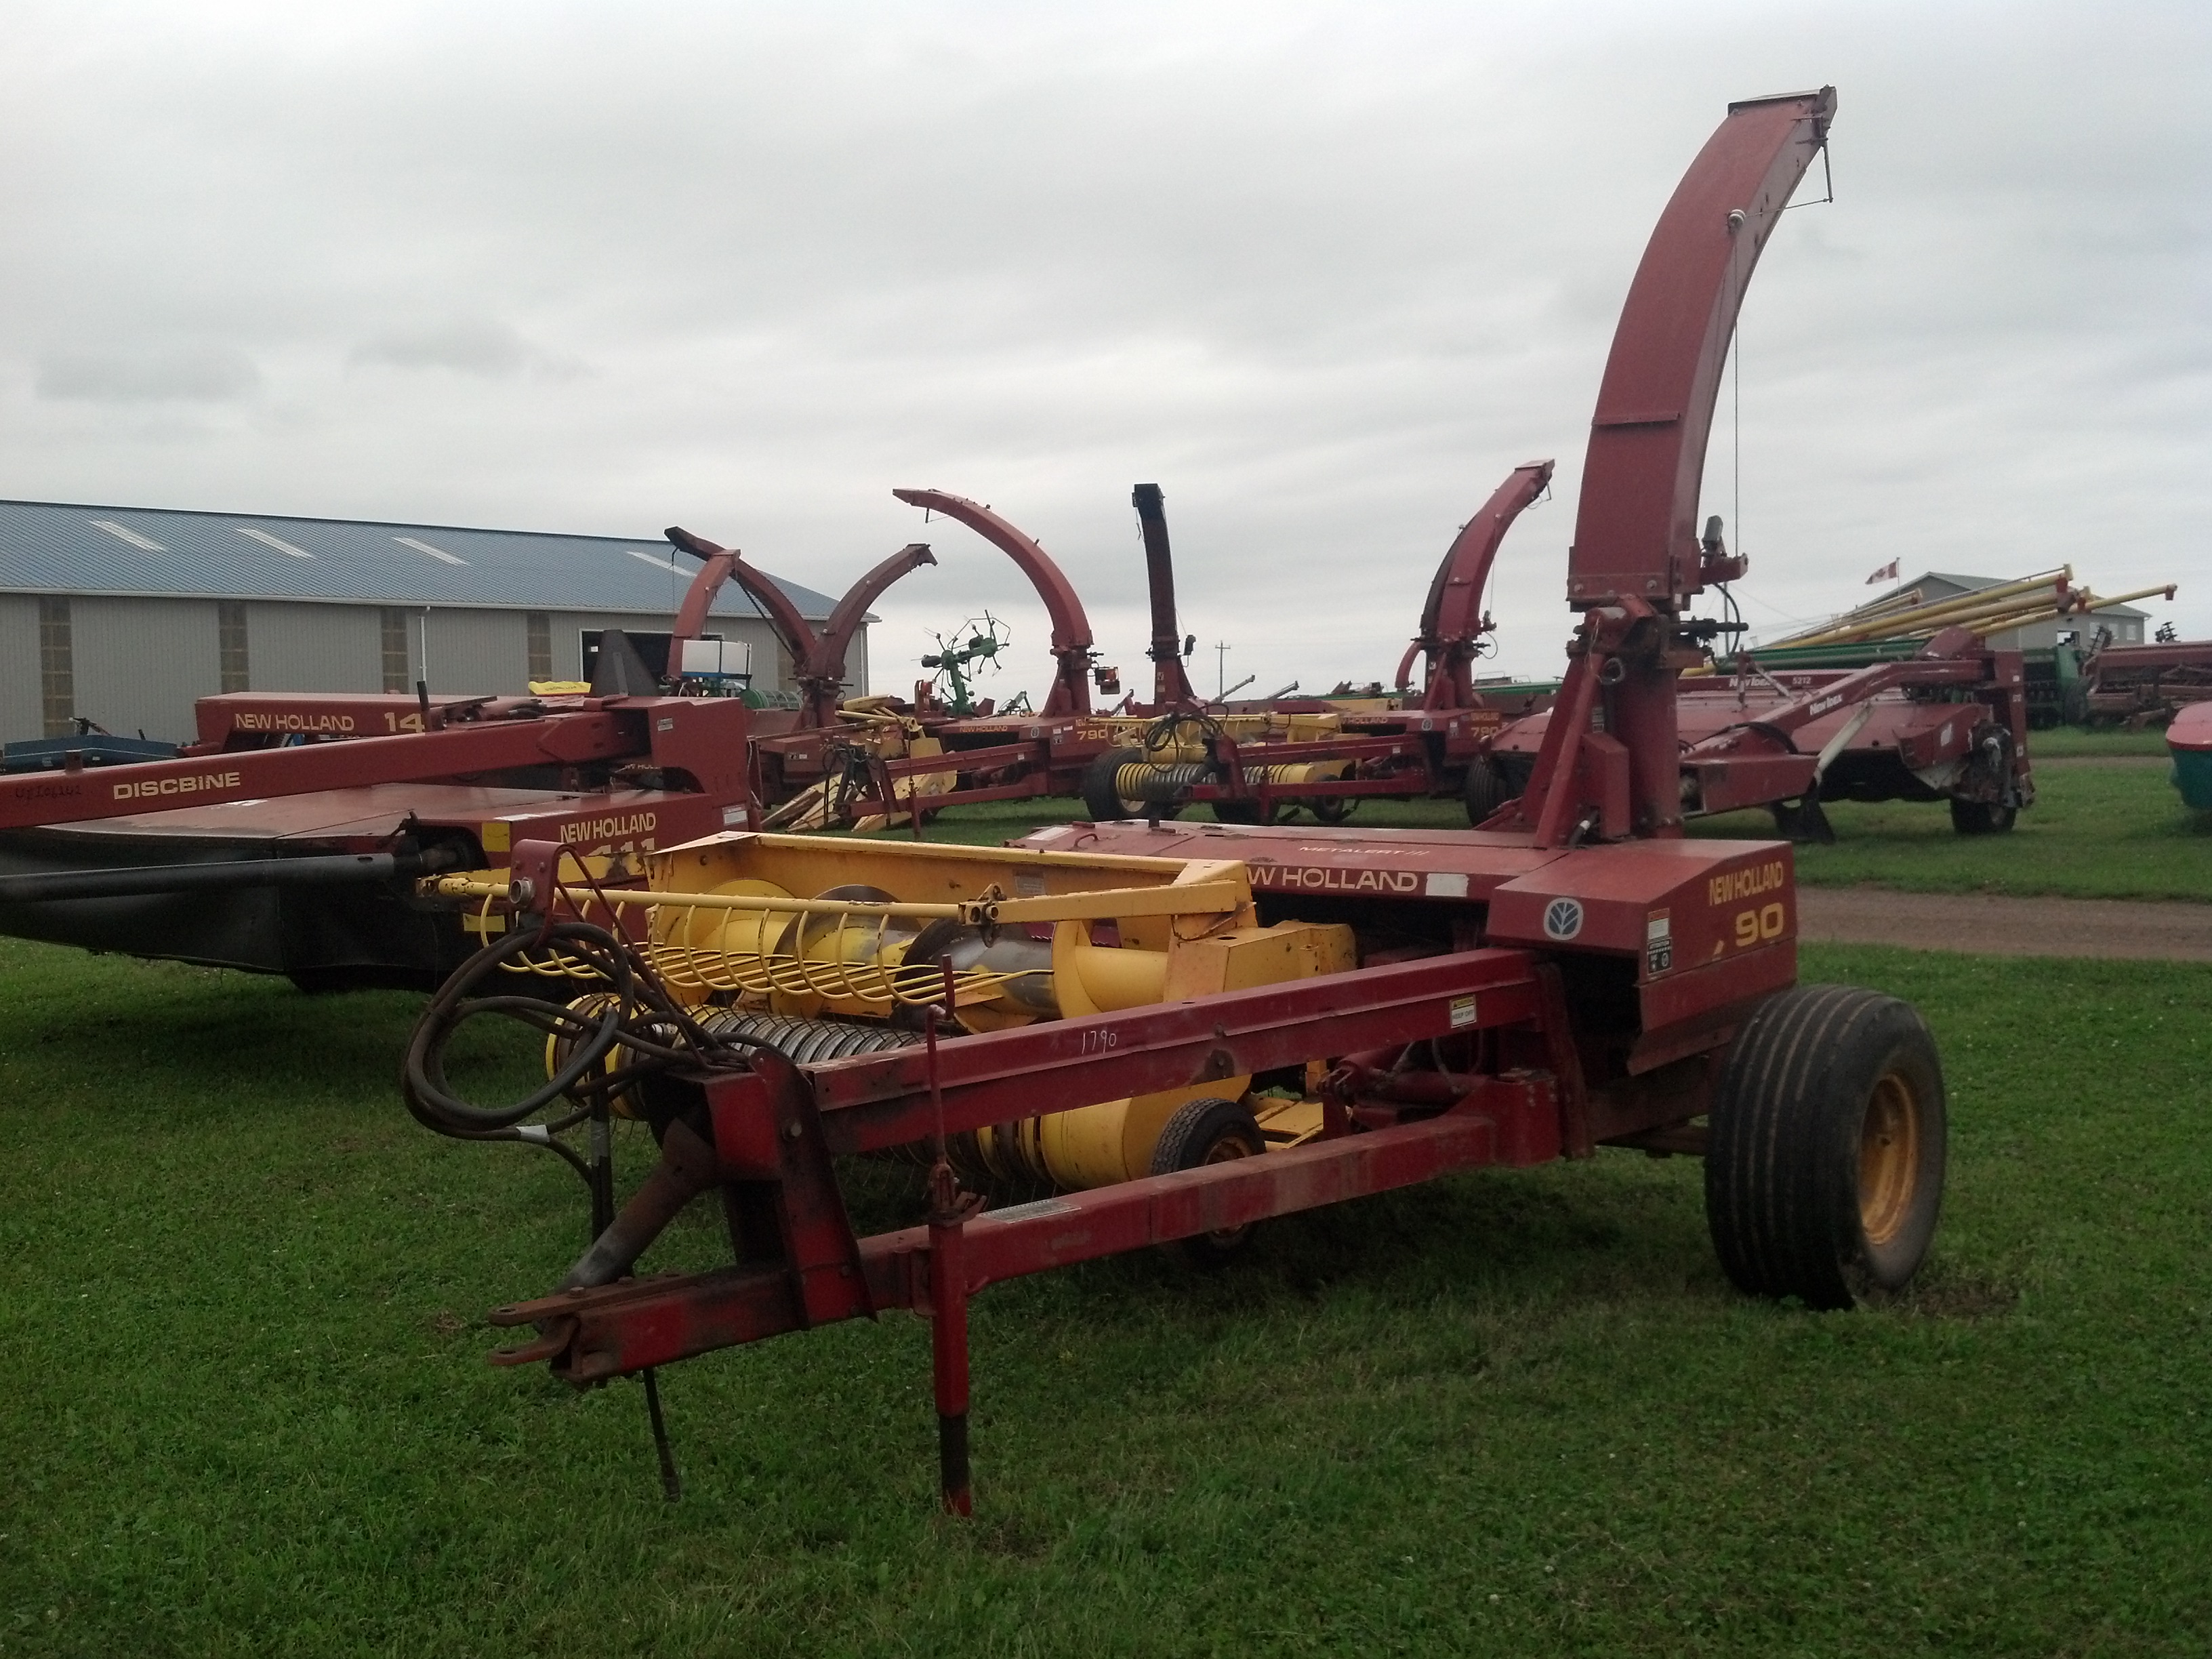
(1563, 919)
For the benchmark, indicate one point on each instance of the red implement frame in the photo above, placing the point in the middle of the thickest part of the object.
(779, 1126)
(1755, 761)
(703, 739)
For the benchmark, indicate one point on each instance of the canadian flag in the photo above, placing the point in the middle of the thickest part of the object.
(1886, 574)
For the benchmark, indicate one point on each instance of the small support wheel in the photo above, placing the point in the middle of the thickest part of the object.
(1102, 798)
(1982, 817)
(1486, 790)
(1332, 809)
(1823, 1174)
(1208, 1131)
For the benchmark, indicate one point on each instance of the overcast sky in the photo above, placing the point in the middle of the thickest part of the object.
(1325, 273)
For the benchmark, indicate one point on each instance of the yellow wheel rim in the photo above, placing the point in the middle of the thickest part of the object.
(1229, 1146)
(1889, 1158)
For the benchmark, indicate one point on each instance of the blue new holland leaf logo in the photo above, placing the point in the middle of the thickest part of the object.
(1563, 919)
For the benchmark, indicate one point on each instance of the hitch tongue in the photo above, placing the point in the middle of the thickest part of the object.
(688, 1167)
(554, 1337)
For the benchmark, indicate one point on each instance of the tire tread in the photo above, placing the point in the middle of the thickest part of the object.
(1101, 799)
(1778, 1150)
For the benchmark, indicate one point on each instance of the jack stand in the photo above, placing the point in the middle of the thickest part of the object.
(1813, 823)
(603, 1216)
(672, 1483)
(949, 1210)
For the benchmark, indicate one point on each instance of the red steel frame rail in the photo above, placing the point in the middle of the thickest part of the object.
(882, 1101)
(106, 791)
(641, 1324)
(1033, 755)
(775, 1127)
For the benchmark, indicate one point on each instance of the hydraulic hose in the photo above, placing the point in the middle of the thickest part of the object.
(636, 1014)
(431, 1098)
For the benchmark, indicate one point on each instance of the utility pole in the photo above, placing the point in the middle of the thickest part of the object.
(1220, 670)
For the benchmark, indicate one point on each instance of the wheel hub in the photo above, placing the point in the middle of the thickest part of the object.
(1889, 1158)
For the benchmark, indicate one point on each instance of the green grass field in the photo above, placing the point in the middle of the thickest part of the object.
(2066, 742)
(2110, 832)
(1510, 1413)
(2095, 831)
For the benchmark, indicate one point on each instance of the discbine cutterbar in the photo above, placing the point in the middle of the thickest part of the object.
(1178, 1032)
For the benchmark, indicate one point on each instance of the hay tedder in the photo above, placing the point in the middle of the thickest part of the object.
(1113, 1037)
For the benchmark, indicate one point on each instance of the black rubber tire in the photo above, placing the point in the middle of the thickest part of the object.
(1824, 1171)
(1982, 817)
(1486, 790)
(1206, 1131)
(1106, 804)
(1332, 809)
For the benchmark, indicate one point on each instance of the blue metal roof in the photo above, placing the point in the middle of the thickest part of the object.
(51, 547)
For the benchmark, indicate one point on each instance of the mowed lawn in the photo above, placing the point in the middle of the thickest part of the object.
(2098, 829)
(248, 1413)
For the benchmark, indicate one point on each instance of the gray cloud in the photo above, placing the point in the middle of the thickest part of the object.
(481, 346)
(477, 346)
(209, 375)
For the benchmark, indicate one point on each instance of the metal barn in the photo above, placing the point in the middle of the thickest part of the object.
(125, 615)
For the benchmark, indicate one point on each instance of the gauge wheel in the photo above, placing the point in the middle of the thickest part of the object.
(1824, 1173)
(1101, 798)
(1982, 817)
(1241, 811)
(1486, 790)
(1208, 1131)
